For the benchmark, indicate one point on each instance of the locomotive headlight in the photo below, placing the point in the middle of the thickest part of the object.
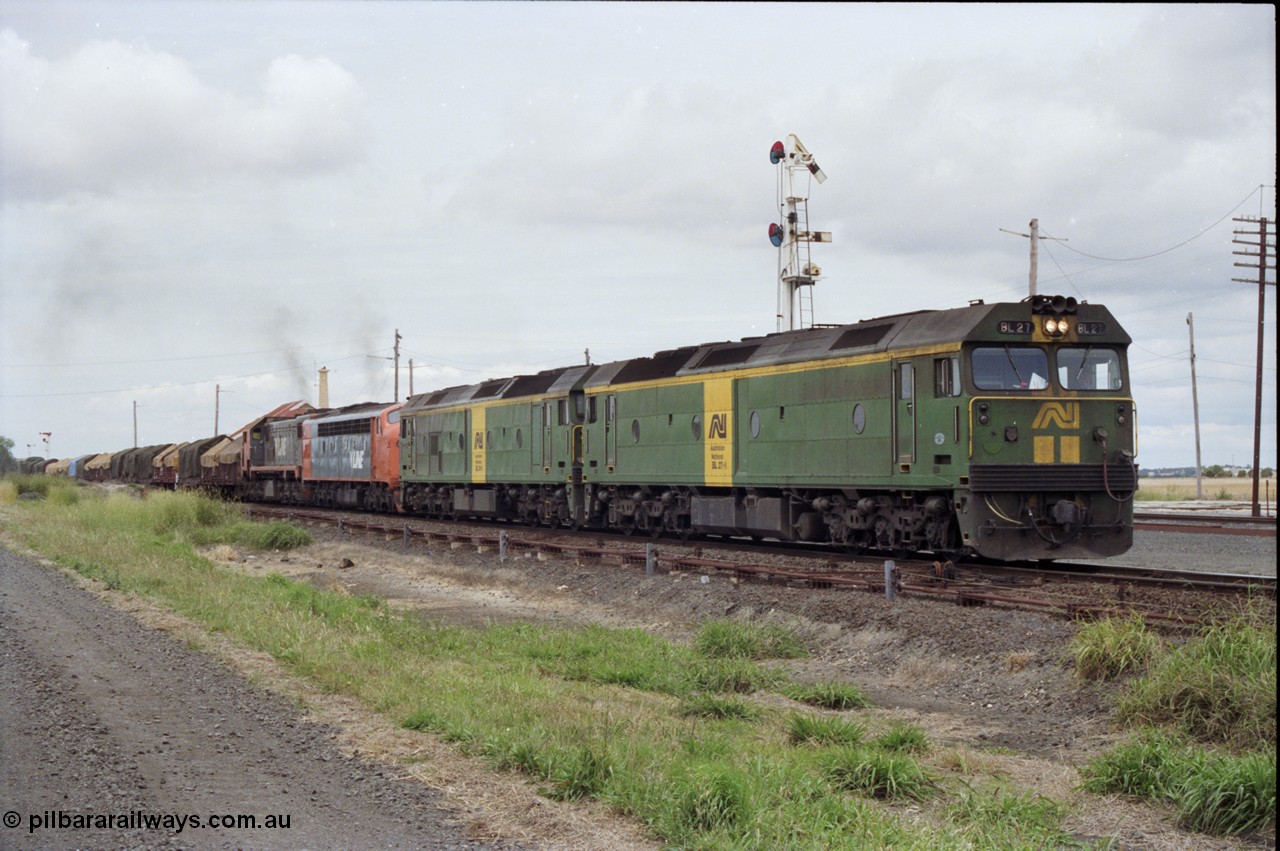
(1054, 327)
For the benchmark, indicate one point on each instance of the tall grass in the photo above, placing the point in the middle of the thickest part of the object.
(824, 730)
(881, 775)
(839, 696)
(1219, 687)
(60, 489)
(904, 738)
(1208, 713)
(1212, 792)
(1000, 818)
(1108, 648)
(734, 640)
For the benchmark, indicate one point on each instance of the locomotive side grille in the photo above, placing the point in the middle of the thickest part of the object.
(1052, 477)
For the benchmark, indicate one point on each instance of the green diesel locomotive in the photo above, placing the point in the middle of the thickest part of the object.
(1005, 430)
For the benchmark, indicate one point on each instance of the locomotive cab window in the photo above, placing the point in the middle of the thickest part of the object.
(946, 377)
(1010, 368)
(1089, 369)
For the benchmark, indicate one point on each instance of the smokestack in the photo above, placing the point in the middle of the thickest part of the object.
(324, 387)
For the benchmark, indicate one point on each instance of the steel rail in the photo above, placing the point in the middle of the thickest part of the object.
(970, 587)
(1205, 524)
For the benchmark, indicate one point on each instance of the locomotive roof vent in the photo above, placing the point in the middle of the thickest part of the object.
(1052, 305)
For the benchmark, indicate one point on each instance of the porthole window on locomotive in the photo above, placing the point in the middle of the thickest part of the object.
(755, 423)
(519, 439)
(696, 425)
(859, 418)
(462, 442)
(488, 440)
(635, 431)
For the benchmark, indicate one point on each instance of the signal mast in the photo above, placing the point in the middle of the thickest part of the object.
(797, 272)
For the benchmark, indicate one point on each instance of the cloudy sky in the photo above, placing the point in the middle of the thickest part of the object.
(232, 195)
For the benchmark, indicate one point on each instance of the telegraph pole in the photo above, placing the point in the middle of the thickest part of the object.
(1195, 401)
(135, 423)
(395, 358)
(1262, 265)
(217, 397)
(396, 397)
(1035, 238)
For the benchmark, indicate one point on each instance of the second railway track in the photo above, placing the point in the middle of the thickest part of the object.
(1213, 524)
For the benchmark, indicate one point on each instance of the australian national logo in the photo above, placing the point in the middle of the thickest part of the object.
(1049, 448)
(1063, 414)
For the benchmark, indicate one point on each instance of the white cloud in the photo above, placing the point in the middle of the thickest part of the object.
(509, 184)
(110, 116)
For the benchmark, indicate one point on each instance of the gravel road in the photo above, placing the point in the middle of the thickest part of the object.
(102, 717)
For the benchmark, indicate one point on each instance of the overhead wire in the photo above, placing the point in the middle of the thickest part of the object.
(1224, 217)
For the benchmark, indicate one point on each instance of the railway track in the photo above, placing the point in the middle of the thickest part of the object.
(1172, 597)
(1219, 524)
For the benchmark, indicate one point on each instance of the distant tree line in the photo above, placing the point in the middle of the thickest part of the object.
(1217, 471)
(8, 464)
(1213, 471)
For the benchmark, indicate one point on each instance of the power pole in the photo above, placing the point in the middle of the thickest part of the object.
(1035, 238)
(135, 423)
(1195, 401)
(1264, 247)
(396, 397)
(395, 358)
(217, 393)
(410, 377)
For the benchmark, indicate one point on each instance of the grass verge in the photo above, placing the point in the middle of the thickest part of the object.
(665, 733)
